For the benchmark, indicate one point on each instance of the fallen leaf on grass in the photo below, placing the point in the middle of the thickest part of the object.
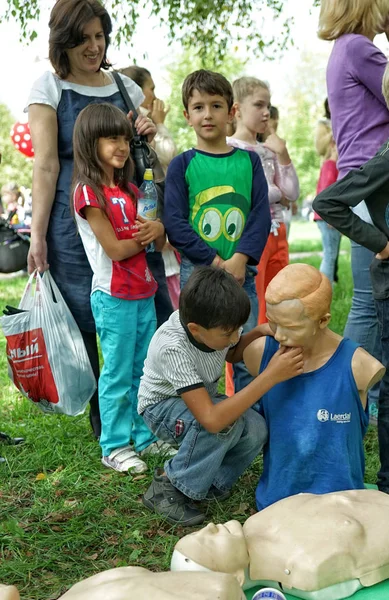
(114, 562)
(242, 509)
(112, 540)
(92, 556)
(109, 512)
(139, 477)
(70, 503)
(40, 477)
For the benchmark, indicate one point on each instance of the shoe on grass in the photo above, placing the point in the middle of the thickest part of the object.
(159, 447)
(215, 494)
(163, 498)
(124, 460)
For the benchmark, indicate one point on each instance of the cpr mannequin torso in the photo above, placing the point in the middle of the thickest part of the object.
(316, 421)
(318, 547)
(125, 583)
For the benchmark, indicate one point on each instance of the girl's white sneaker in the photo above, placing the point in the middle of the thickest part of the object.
(124, 460)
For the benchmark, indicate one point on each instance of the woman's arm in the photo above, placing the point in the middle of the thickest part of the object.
(44, 134)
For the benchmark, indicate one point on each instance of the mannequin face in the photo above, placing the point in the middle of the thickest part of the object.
(290, 324)
(217, 547)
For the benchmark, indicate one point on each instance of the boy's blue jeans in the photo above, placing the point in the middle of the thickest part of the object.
(241, 375)
(205, 459)
(125, 329)
(379, 271)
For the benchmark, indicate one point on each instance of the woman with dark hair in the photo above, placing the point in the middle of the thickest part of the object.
(78, 42)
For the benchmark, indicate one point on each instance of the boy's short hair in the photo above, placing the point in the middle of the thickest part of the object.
(213, 298)
(245, 86)
(385, 85)
(207, 82)
(338, 17)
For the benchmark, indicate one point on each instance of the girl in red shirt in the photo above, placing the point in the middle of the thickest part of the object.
(122, 295)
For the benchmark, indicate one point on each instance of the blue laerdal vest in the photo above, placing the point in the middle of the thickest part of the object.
(316, 426)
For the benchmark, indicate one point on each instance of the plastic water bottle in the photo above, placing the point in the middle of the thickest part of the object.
(148, 201)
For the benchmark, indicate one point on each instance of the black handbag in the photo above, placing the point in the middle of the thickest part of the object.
(142, 153)
(14, 249)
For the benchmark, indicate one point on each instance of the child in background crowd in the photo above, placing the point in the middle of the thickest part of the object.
(216, 197)
(252, 112)
(166, 150)
(123, 288)
(329, 235)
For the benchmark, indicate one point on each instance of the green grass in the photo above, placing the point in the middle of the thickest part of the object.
(63, 517)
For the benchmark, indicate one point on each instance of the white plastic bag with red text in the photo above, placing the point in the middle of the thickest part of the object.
(47, 359)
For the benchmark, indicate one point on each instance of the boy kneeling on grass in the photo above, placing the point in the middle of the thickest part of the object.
(217, 437)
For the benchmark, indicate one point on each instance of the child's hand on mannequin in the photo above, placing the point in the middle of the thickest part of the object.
(278, 146)
(285, 364)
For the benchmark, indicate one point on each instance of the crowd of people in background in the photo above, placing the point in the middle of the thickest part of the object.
(227, 204)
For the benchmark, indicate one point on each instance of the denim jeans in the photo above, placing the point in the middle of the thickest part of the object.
(331, 242)
(125, 329)
(380, 281)
(241, 375)
(205, 459)
(362, 323)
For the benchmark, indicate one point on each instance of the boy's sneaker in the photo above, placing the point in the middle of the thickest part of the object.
(159, 447)
(163, 498)
(123, 460)
(216, 494)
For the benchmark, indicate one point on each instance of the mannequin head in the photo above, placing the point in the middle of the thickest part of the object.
(298, 301)
(217, 548)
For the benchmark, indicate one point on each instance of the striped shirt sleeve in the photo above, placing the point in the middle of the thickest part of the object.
(180, 371)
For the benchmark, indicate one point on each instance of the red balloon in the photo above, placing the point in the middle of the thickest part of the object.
(21, 138)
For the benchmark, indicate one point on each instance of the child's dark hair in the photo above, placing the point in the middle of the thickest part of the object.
(207, 82)
(138, 74)
(213, 298)
(97, 121)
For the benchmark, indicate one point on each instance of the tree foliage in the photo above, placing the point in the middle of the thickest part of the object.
(231, 67)
(211, 26)
(299, 118)
(14, 166)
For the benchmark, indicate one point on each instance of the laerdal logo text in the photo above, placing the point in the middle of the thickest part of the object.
(323, 416)
(29, 350)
